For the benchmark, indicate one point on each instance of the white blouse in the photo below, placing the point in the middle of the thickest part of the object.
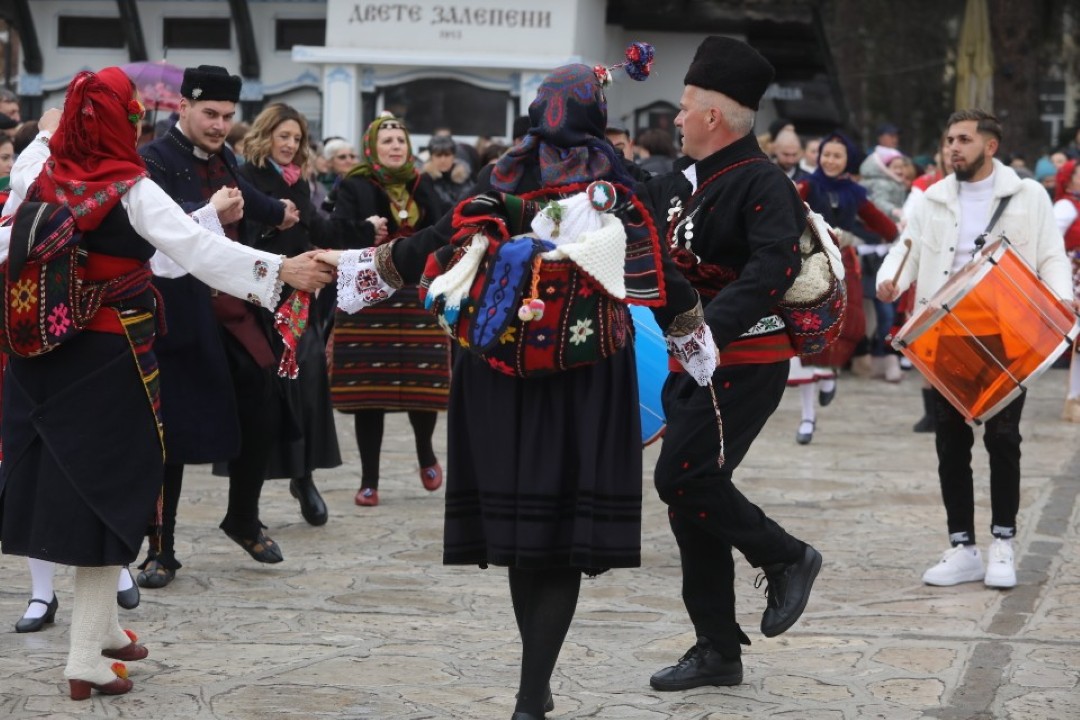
(228, 266)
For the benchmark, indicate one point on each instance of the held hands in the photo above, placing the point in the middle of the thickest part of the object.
(229, 203)
(696, 353)
(292, 216)
(379, 223)
(330, 257)
(306, 272)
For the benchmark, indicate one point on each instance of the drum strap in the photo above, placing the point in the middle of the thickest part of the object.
(981, 240)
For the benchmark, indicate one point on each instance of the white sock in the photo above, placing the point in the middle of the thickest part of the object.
(828, 385)
(41, 586)
(125, 582)
(807, 393)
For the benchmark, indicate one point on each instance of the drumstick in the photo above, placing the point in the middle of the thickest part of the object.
(907, 251)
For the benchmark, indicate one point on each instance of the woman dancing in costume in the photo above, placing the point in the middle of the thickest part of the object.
(81, 434)
(539, 476)
(394, 357)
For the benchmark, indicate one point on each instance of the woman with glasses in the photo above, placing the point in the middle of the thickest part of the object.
(395, 356)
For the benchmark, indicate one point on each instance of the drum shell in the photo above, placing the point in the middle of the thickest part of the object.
(650, 351)
(992, 328)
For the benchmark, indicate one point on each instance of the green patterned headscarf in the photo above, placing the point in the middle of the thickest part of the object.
(370, 167)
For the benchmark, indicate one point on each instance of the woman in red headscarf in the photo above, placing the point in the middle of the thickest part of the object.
(83, 451)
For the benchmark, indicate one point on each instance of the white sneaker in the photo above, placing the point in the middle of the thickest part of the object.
(959, 564)
(1000, 566)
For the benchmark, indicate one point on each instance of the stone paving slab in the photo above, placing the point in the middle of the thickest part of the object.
(362, 621)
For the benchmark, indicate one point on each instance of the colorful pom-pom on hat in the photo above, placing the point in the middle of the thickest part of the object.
(638, 64)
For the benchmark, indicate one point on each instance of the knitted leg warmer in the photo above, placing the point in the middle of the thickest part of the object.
(94, 625)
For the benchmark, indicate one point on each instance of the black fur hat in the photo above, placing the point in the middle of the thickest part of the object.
(210, 82)
(731, 67)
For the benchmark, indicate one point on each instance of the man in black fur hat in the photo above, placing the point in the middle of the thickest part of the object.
(216, 387)
(734, 229)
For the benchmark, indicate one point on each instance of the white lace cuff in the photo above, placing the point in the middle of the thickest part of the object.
(696, 352)
(359, 284)
(207, 217)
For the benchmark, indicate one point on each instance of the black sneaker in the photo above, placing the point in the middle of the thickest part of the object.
(701, 665)
(788, 591)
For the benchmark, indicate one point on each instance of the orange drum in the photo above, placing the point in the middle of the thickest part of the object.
(993, 327)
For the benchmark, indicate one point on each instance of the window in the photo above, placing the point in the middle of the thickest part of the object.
(89, 32)
(466, 109)
(289, 32)
(198, 33)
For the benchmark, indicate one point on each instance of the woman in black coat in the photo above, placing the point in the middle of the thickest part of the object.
(276, 149)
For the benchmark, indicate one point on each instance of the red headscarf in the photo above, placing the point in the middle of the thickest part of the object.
(1064, 177)
(93, 159)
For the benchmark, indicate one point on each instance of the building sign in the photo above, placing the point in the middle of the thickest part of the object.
(475, 26)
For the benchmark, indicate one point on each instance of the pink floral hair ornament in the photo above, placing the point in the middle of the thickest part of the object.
(638, 64)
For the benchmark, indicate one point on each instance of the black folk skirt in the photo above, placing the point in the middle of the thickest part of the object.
(83, 454)
(544, 472)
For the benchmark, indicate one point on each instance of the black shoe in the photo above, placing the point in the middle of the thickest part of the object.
(128, 599)
(826, 397)
(26, 625)
(260, 547)
(549, 703)
(804, 438)
(788, 591)
(701, 665)
(312, 506)
(154, 575)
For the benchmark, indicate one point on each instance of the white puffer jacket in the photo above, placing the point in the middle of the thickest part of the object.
(934, 226)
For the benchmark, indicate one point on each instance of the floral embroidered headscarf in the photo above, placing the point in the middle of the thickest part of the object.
(93, 161)
(569, 116)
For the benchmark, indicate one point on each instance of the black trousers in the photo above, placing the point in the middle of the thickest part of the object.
(955, 439)
(708, 514)
(258, 406)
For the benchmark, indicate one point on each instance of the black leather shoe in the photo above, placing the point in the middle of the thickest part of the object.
(128, 599)
(701, 665)
(549, 703)
(154, 575)
(788, 591)
(826, 397)
(260, 547)
(312, 506)
(26, 625)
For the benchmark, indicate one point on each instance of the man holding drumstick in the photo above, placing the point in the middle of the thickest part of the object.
(983, 199)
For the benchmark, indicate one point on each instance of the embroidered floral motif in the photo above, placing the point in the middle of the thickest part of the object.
(806, 320)
(580, 331)
(260, 270)
(254, 299)
(509, 336)
(23, 294)
(59, 321)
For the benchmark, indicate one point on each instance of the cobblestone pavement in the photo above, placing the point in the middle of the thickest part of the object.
(362, 620)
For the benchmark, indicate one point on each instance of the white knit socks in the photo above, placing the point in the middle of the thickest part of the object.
(94, 625)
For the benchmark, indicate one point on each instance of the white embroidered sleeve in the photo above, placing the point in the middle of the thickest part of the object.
(25, 171)
(359, 284)
(228, 266)
(207, 217)
(696, 352)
